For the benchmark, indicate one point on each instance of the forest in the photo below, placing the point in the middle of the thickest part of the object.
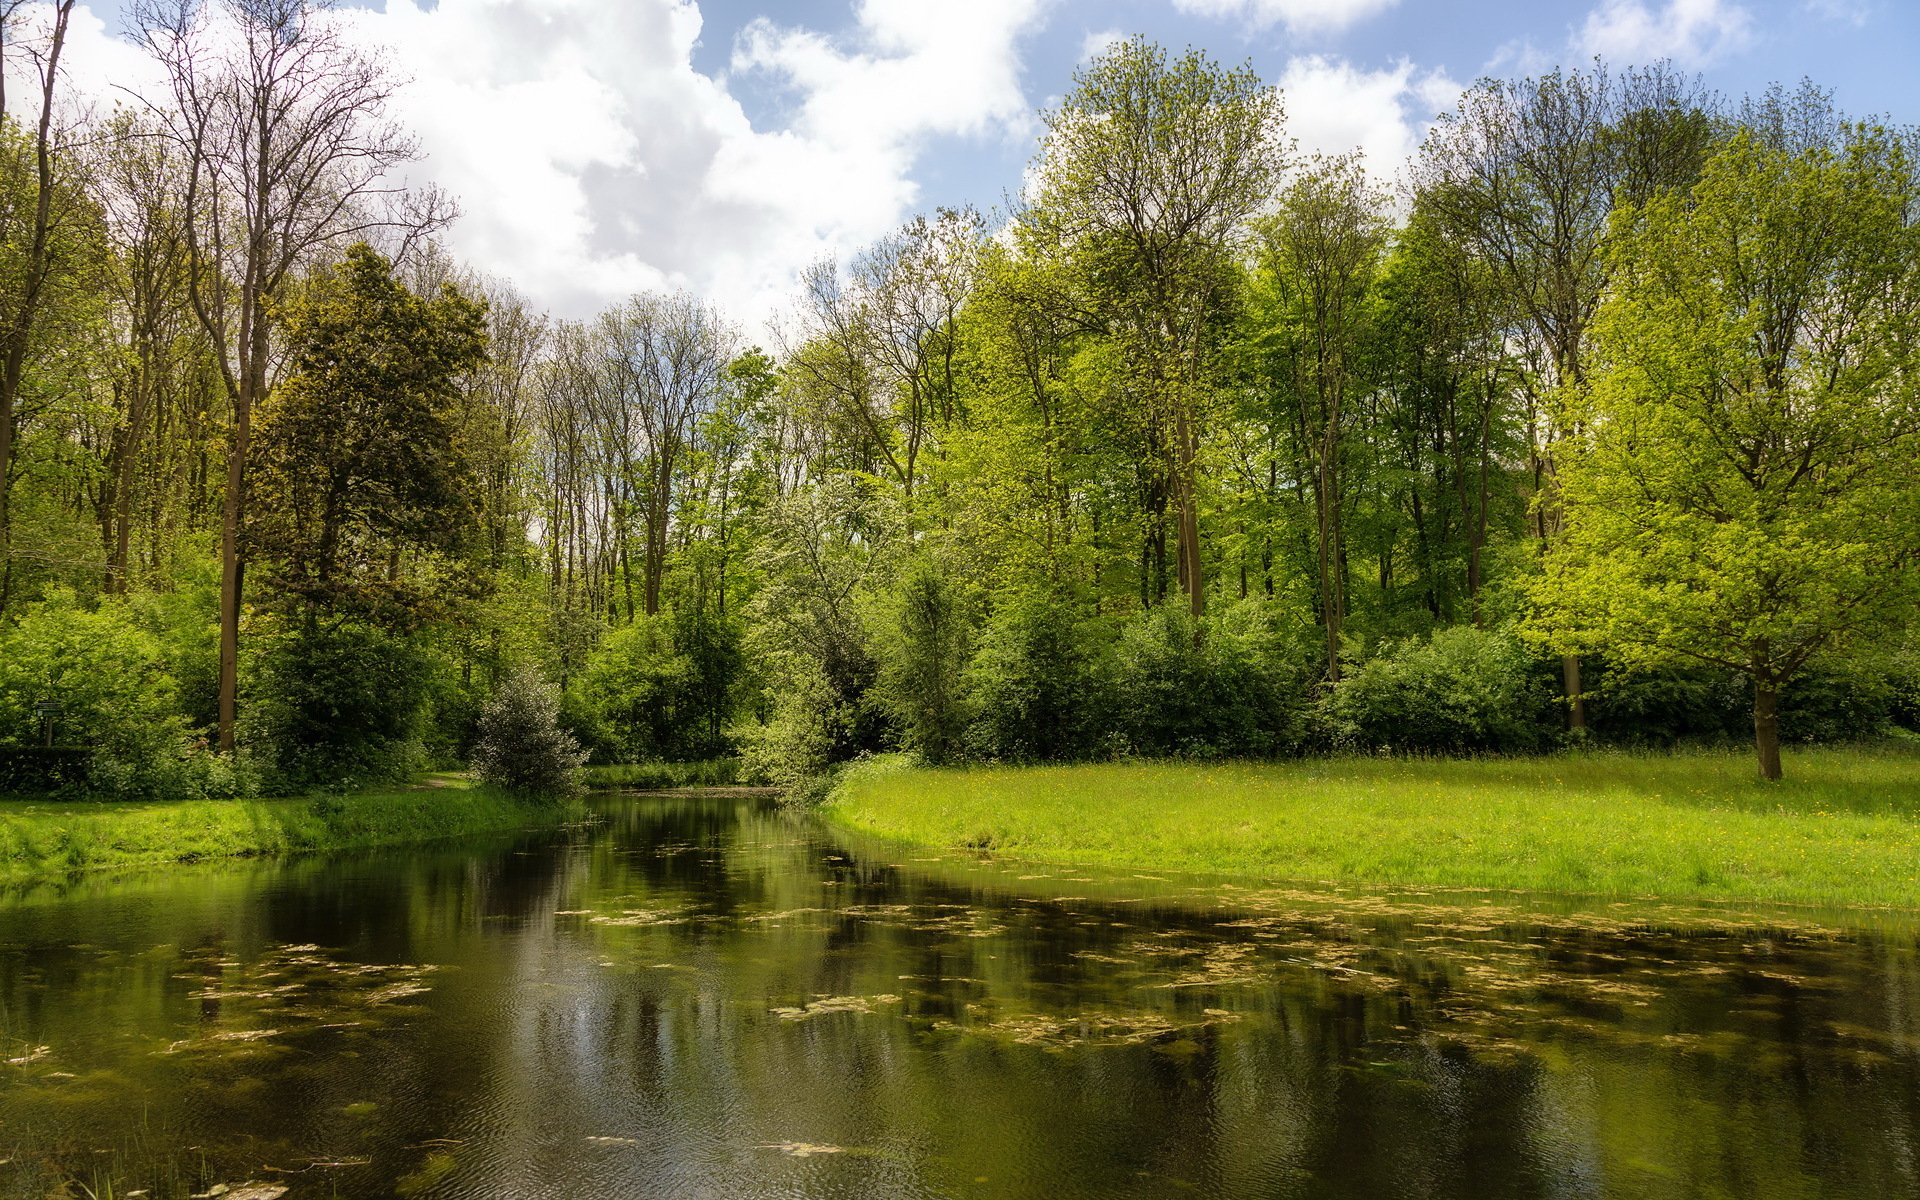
(1597, 425)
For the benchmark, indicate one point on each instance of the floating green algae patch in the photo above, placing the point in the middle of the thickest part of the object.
(1842, 830)
(44, 838)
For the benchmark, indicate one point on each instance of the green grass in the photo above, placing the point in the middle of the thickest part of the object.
(1842, 830)
(39, 838)
(653, 777)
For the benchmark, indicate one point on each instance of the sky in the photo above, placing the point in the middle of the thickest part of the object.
(599, 148)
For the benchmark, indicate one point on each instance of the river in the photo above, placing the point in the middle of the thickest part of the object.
(706, 997)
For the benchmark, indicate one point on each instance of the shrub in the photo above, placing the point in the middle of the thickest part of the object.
(921, 645)
(1035, 686)
(520, 747)
(1466, 691)
(1233, 687)
(119, 703)
(803, 734)
(632, 692)
(1668, 707)
(336, 705)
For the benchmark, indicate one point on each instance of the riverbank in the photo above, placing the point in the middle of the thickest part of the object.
(1842, 830)
(39, 838)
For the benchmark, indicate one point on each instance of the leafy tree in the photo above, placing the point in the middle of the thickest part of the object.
(1745, 493)
(359, 464)
(1147, 175)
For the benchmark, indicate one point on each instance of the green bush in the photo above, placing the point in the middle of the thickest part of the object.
(335, 705)
(119, 703)
(520, 746)
(629, 700)
(921, 643)
(1676, 706)
(1233, 687)
(1466, 691)
(1035, 686)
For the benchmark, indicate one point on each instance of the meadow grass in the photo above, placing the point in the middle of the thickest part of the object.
(659, 776)
(1843, 829)
(47, 837)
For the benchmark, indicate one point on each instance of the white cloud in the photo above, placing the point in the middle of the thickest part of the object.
(1299, 16)
(1097, 43)
(1693, 33)
(1334, 107)
(591, 159)
(1850, 12)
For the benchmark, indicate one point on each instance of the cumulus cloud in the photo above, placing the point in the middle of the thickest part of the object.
(1334, 107)
(1693, 33)
(1299, 16)
(591, 159)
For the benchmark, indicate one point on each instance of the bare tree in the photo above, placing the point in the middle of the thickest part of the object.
(288, 155)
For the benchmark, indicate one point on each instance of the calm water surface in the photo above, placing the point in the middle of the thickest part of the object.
(706, 998)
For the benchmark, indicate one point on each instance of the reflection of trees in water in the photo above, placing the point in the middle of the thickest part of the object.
(702, 997)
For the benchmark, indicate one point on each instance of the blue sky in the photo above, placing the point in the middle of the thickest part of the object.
(600, 147)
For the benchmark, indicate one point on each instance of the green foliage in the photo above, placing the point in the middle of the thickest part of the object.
(118, 701)
(636, 693)
(1744, 492)
(922, 645)
(520, 747)
(335, 705)
(1466, 691)
(1233, 687)
(359, 459)
(1035, 685)
(808, 729)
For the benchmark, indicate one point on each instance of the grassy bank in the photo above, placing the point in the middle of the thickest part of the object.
(44, 837)
(661, 776)
(1843, 829)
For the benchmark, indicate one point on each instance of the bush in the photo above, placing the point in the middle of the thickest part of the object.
(1234, 687)
(804, 733)
(921, 644)
(120, 706)
(1466, 691)
(336, 706)
(631, 692)
(1035, 686)
(520, 747)
(1670, 707)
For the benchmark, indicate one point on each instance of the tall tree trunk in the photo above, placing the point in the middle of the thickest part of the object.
(1766, 725)
(1189, 513)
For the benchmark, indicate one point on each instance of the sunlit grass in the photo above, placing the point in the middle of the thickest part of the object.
(44, 837)
(1842, 829)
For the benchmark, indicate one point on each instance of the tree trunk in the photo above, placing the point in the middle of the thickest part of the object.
(1576, 698)
(1766, 727)
(1188, 501)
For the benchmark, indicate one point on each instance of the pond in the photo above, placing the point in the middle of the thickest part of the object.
(705, 997)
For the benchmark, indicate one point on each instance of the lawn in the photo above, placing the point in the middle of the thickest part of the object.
(1842, 829)
(45, 837)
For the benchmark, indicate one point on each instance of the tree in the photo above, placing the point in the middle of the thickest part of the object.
(1322, 252)
(359, 460)
(1744, 491)
(1149, 172)
(1525, 172)
(33, 215)
(280, 120)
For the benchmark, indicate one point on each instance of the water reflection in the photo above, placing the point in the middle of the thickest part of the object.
(706, 998)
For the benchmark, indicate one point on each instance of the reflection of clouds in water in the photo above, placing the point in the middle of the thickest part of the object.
(665, 1003)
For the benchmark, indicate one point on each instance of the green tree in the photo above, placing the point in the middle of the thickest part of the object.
(1148, 174)
(1745, 493)
(358, 465)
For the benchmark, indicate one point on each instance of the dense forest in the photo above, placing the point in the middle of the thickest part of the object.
(1599, 425)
